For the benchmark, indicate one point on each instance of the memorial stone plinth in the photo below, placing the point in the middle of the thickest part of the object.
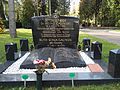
(114, 63)
(96, 49)
(24, 47)
(10, 50)
(86, 44)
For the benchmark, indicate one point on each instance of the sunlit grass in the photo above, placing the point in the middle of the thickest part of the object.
(5, 38)
(106, 46)
(27, 33)
(117, 30)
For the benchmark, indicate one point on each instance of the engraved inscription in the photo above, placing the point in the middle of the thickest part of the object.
(55, 32)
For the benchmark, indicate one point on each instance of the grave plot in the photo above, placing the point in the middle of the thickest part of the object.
(56, 37)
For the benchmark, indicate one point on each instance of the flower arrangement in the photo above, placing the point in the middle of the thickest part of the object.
(41, 65)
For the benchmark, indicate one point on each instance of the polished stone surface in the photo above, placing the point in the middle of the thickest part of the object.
(62, 57)
(13, 74)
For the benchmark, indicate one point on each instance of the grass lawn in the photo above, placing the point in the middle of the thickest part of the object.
(114, 86)
(118, 29)
(106, 46)
(26, 33)
(5, 38)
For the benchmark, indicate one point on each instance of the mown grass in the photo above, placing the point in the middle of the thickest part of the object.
(5, 38)
(113, 86)
(117, 30)
(106, 46)
(26, 33)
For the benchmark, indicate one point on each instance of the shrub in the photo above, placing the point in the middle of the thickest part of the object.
(118, 23)
(6, 23)
(1, 26)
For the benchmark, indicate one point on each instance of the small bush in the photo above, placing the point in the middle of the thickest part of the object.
(118, 23)
(6, 23)
(1, 26)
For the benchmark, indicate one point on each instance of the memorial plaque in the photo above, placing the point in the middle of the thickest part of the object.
(55, 31)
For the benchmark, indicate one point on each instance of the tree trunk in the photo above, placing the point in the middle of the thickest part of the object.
(12, 23)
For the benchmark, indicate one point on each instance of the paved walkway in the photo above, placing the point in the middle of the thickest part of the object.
(109, 35)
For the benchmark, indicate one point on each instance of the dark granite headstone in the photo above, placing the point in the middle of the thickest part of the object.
(114, 63)
(55, 31)
(96, 48)
(24, 45)
(10, 50)
(86, 44)
(55, 37)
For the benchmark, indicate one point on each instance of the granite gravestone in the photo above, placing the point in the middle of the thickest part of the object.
(114, 63)
(55, 37)
(55, 31)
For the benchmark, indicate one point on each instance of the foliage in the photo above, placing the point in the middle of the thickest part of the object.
(118, 23)
(2, 9)
(37, 6)
(86, 11)
(103, 12)
(27, 12)
(60, 7)
(1, 26)
(63, 7)
(54, 4)
(18, 10)
(6, 23)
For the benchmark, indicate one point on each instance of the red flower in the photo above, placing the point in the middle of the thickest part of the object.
(40, 62)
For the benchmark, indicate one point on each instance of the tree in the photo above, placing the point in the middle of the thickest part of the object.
(12, 23)
(54, 5)
(86, 10)
(104, 12)
(2, 13)
(63, 7)
(37, 6)
(1, 26)
(117, 12)
(43, 7)
(27, 12)
(96, 5)
(110, 12)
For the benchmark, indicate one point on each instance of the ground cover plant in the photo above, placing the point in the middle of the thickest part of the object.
(112, 86)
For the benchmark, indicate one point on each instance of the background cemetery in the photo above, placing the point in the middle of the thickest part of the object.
(63, 34)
